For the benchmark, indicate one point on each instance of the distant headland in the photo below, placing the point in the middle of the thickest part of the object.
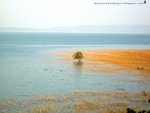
(142, 29)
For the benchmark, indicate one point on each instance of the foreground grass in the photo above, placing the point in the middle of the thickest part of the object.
(112, 101)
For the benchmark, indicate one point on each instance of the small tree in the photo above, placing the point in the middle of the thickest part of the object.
(78, 55)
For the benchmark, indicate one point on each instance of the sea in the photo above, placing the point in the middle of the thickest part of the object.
(28, 69)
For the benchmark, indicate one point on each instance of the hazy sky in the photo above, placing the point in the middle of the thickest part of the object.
(55, 13)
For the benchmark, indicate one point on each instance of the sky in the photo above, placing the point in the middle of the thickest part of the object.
(45, 14)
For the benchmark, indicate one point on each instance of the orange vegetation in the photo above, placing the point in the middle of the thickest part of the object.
(134, 59)
(108, 101)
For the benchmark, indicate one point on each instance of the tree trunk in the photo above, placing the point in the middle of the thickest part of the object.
(79, 60)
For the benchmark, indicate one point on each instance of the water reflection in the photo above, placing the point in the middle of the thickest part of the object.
(78, 69)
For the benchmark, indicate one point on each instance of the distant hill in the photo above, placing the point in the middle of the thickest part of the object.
(89, 29)
(104, 29)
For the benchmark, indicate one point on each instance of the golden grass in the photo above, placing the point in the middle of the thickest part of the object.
(86, 105)
(109, 101)
(44, 99)
(114, 59)
(42, 109)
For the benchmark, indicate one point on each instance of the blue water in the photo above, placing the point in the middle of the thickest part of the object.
(27, 70)
(33, 38)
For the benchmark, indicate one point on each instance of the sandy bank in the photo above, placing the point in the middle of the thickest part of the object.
(105, 59)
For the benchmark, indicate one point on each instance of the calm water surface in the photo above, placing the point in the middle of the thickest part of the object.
(27, 70)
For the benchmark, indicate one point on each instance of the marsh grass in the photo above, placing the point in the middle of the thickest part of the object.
(112, 101)
(129, 59)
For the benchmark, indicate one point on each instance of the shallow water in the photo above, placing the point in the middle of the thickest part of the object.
(34, 71)
(28, 70)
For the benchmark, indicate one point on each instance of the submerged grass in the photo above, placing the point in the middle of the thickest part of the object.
(112, 101)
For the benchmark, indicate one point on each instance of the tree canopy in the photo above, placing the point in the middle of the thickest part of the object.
(78, 55)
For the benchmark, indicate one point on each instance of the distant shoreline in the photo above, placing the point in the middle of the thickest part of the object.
(57, 32)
